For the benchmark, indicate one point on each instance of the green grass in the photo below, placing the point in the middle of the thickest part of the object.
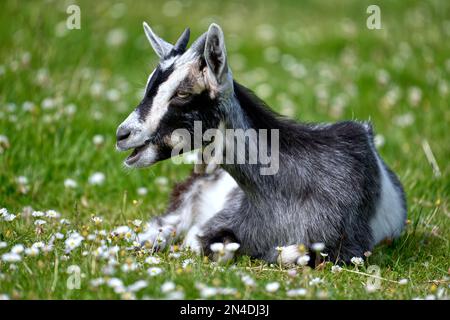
(314, 61)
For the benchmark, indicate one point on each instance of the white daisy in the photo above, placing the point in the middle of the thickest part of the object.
(98, 140)
(97, 178)
(303, 260)
(162, 181)
(38, 214)
(11, 257)
(39, 222)
(248, 281)
(52, 214)
(217, 247)
(18, 249)
(70, 183)
(272, 286)
(167, 287)
(138, 285)
(9, 217)
(297, 292)
(357, 261)
(318, 246)
(315, 281)
(142, 191)
(33, 251)
(232, 247)
(154, 271)
(336, 269)
(97, 220)
(152, 260)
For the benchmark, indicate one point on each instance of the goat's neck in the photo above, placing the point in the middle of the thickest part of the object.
(240, 114)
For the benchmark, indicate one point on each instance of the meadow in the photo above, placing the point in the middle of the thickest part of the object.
(71, 210)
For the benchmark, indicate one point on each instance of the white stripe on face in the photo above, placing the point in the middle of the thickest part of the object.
(165, 64)
(163, 95)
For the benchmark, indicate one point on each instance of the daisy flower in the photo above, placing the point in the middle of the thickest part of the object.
(318, 246)
(336, 269)
(167, 287)
(248, 281)
(272, 287)
(127, 267)
(142, 191)
(357, 261)
(303, 260)
(232, 247)
(97, 178)
(18, 249)
(39, 222)
(186, 263)
(162, 181)
(11, 257)
(52, 214)
(97, 220)
(138, 285)
(217, 247)
(154, 271)
(98, 140)
(33, 251)
(137, 223)
(207, 292)
(9, 217)
(38, 214)
(152, 260)
(70, 183)
(297, 292)
(315, 281)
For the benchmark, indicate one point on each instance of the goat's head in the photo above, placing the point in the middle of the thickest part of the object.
(186, 86)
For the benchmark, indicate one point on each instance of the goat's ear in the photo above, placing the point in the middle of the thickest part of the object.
(215, 53)
(161, 47)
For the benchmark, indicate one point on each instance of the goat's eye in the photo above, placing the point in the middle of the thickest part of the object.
(183, 94)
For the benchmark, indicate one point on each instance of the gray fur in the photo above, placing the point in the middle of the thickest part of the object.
(327, 189)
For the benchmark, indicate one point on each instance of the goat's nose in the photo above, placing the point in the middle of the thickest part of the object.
(123, 133)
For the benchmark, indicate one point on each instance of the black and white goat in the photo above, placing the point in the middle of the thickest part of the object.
(331, 187)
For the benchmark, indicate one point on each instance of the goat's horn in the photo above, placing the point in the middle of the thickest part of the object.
(182, 42)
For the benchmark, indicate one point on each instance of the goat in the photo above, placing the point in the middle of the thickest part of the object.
(331, 187)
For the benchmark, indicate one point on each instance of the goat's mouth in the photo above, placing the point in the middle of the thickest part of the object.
(136, 154)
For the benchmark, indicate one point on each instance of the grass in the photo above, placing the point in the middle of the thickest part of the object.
(314, 62)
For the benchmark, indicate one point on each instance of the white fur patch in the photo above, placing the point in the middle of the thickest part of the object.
(163, 96)
(213, 198)
(201, 202)
(138, 135)
(388, 221)
(165, 64)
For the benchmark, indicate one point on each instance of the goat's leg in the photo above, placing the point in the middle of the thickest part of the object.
(211, 192)
(193, 203)
(160, 230)
(177, 219)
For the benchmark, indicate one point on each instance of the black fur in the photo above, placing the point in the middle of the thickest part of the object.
(326, 189)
